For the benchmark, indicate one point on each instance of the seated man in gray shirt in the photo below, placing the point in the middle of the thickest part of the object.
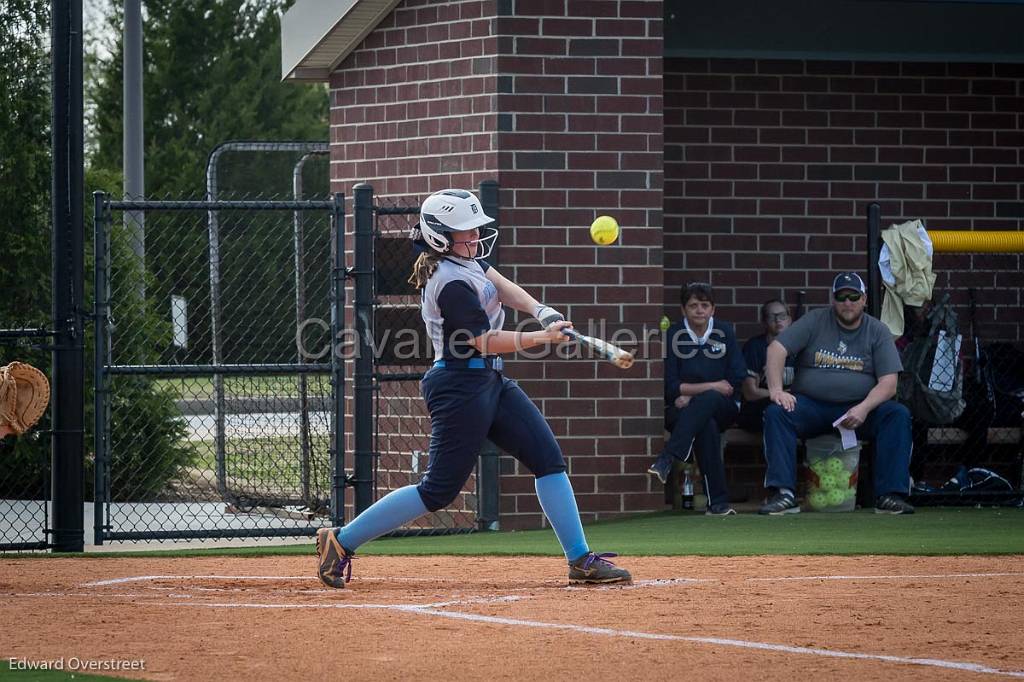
(846, 367)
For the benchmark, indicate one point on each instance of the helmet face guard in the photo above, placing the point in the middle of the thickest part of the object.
(484, 243)
(455, 210)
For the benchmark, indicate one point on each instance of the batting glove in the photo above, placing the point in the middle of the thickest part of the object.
(547, 315)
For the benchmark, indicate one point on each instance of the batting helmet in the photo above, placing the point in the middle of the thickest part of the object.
(454, 210)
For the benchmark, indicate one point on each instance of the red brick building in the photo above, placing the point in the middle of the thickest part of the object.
(741, 148)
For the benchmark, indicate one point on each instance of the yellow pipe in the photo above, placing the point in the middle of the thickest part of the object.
(969, 241)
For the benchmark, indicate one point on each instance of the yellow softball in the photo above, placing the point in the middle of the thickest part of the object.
(604, 230)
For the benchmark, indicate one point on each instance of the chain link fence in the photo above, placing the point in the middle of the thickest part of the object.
(964, 382)
(402, 425)
(25, 460)
(214, 399)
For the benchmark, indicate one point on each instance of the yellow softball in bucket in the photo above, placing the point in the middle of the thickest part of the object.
(604, 230)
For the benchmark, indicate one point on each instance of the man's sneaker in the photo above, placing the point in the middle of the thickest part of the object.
(334, 563)
(892, 504)
(595, 568)
(780, 503)
(662, 467)
(720, 510)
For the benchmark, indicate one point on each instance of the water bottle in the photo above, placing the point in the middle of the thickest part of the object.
(687, 490)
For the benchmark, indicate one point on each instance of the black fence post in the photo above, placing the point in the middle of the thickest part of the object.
(338, 480)
(488, 472)
(68, 279)
(874, 250)
(101, 357)
(489, 201)
(363, 372)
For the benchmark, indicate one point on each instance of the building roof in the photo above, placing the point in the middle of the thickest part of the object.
(869, 30)
(317, 35)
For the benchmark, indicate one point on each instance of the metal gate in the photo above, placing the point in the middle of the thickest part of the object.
(217, 395)
(391, 425)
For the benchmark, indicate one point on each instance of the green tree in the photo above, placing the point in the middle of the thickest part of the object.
(212, 74)
(24, 163)
(24, 214)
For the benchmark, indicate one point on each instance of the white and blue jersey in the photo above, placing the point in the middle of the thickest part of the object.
(460, 304)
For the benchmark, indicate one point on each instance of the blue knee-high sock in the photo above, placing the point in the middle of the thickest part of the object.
(389, 512)
(559, 505)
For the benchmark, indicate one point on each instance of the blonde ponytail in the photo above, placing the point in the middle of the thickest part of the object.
(424, 268)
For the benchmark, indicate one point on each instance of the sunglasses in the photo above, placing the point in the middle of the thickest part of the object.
(842, 298)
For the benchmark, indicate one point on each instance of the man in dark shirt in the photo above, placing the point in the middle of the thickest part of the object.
(846, 372)
(703, 372)
(775, 318)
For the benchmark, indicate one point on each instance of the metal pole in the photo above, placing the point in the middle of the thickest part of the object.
(338, 480)
(213, 235)
(874, 250)
(300, 316)
(134, 168)
(213, 230)
(101, 476)
(68, 379)
(363, 374)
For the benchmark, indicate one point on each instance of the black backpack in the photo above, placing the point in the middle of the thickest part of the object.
(1003, 370)
(928, 405)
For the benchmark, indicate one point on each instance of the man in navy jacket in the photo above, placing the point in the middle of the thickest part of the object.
(703, 373)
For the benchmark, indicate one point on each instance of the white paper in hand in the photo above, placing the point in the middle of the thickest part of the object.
(849, 436)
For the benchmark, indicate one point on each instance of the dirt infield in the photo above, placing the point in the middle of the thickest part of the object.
(860, 618)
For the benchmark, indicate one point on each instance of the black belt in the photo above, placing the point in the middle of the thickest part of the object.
(489, 362)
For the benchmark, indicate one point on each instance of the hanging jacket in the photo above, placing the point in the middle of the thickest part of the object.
(906, 266)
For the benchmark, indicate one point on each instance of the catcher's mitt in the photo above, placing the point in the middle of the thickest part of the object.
(24, 395)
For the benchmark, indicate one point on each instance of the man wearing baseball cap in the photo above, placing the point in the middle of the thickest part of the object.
(846, 371)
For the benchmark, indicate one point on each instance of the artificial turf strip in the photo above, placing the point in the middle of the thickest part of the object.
(931, 531)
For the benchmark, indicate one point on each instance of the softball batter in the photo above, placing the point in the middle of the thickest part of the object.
(468, 397)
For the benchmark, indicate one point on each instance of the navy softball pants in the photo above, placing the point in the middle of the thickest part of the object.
(467, 406)
(698, 427)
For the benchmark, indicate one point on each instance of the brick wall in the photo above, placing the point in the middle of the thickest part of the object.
(580, 134)
(412, 109)
(561, 103)
(770, 166)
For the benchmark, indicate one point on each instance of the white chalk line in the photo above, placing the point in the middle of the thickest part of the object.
(310, 578)
(933, 576)
(637, 584)
(718, 641)
(147, 578)
(394, 607)
(557, 584)
(89, 595)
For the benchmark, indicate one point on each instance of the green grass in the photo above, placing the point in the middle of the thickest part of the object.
(934, 531)
(198, 388)
(274, 459)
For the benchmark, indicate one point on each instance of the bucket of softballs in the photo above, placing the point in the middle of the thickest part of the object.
(832, 474)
